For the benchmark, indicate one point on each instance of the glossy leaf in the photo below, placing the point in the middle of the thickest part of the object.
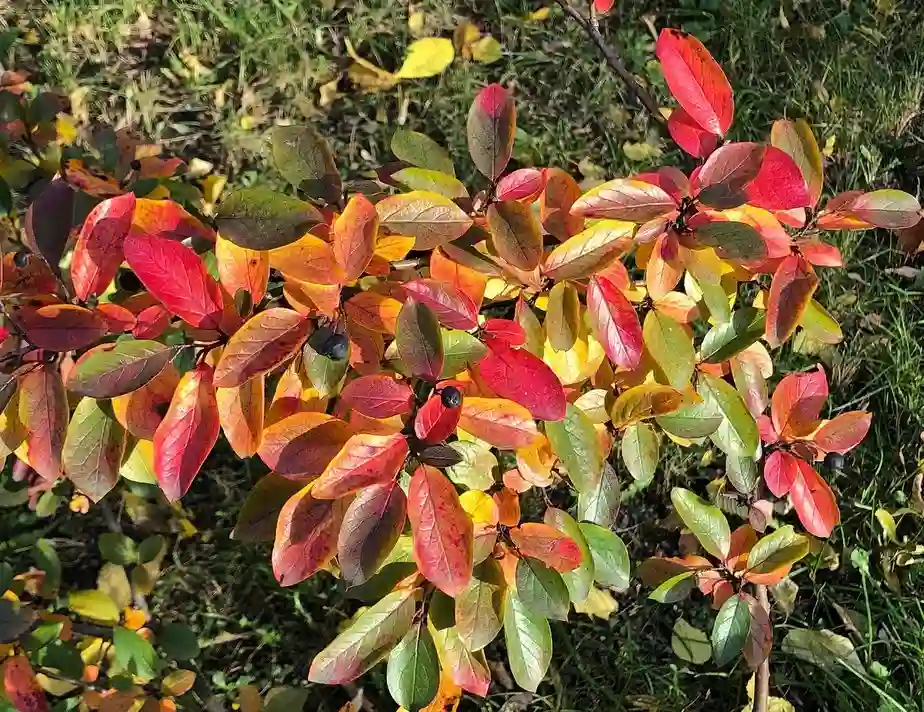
(780, 471)
(624, 199)
(844, 432)
(696, 80)
(262, 219)
(574, 441)
(528, 638)
(671, 346)
(541, 589)
(428, 217)
(354, 233)
(724, 341)
(798, 141)
(306, 536)
(266, 341)
(705, 520)
(515, 234)
(378, 396)
(367, 641)
(240, 412)
(363, 461)
(522, 184)
(610, 556)
(240, 268)
(589, 251)
(814, 501)
(413, 671)
(435, 422)
(689, 135)
(727, 172)
(443, 532)
(98, 251)
(44, 413)
(371, 525)
(519, 376)
(188, 432)
(645, 401)
(548, 544)
(771, 558)
(601, 504)
(779, 185)
(797, 402)
(731, 629)
(418, 339)
(302, 444)
(615, 322)
(452, 307)
(93, 448)
(308, 259)
(176, 276)
(490, 130)
(500, 422)
(63, 327)
(737, 434)
(791, 290)
(374, 311)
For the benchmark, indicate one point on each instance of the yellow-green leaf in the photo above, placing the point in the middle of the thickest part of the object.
(670, 345)
(94, 605)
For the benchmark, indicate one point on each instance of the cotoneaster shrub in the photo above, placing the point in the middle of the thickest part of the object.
(412, 360)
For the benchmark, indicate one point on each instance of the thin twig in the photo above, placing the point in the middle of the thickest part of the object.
(615, 61)
(762, 678)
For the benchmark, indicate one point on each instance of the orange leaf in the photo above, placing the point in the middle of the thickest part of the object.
(499, 422)
(21, 687)
(141, 411)
(308, 259)
(267, 340)
(791, 292)
(814, 501)
(797, 402)
(44, 413)
(167, 219)
(374, 311)
(301, 445)
(363, 461)
(443, 533)
(354, 234)
(240, 412)
(240, 268)
(665, 266)
(558, 195)
(187, 434)
(844, 432)
(548, 544)
(467, 280)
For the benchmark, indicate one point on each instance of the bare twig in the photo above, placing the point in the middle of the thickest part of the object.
(762, 678)
(614, 60)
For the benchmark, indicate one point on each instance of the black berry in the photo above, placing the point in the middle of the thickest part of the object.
(129, 282)
(834, 461)
(21, 258)
(336, 347)
(135, 165)
(451, 397)
(49, 356)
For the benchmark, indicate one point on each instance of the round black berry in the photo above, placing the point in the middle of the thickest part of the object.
(49, 356)
(21, 258)
(451, 397)
(135, 165)
(336, 347)
(834, 461)
(129, 282)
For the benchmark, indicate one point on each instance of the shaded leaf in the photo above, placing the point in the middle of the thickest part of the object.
(306, 536)
(93, 449)
(640, 451)
(371, 525)
(44, 413)
(574, 440)
(528, 640)
(791, 290)
(610, 556)
(418, 339)
(601, 504)
(305, 160)
(671, 346)
(690, 644)
(724, 341)
(421, 150)
(262, 219)
(63, 327)
(737, 434)
(413, 668)
(490, 130)
(256, 519)
(731, 629)
(123, 368)
(705, 520)
(515, 234)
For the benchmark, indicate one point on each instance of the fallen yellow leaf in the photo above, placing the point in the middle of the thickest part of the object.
(426, 58)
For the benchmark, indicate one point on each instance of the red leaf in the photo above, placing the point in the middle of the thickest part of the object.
(547, 544)
(558, 195)
(524, 184)
(791, 290)
(814, 501)
(63, 327)
(727, 172)
(767, 432)
(844, 432)
(267, 340)
(371, 526)
(378, 396)
(696, 80)
(21, 687)
(518, 375)
(780, 469)
(151, 322)
(504, 330)
(118, 318)
(672, 181)
(187, 434)
(363, 461)
(435, 422)
(614, 320)
(44, 413)
(820, 254)
(689, 135)
(306, 536)
(98, 252)
(779, 184)
(797, 402)
(176, 275)
(443, 533)
(452, 307)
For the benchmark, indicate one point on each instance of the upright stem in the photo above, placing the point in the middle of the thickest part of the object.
(762, 678)
(614, 60)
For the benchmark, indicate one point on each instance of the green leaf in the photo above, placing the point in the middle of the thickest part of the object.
(478, 608)
(690, 644)
(118, 548)
(432, 181)
(261, 219)
(705, 520)
(782, 548)
(460, 350)
(94, 605)
(150, 548)
(93, 448)
(541, 589)
(285, 699)
(134, 654)
(528, 640)
(113, 581)
(731, 629)
(741, 472)
(138, 463)
(737, 435)
(726, 340)
(65, 658)
(256, 519)
(413, 672)
(671, 347)
(325, 374)
(124, 368)
(367, 640)
(178, 641)
(674, 589)
(6, 577)
(476, 470)
(579, 581)
(734, 240)
(574, 441)
(610, 556)
(418, 340)
(640, 451)
(693, 421)
(304, 159)
(46, 559)
(420, 150)
(823, 648)
(600, 504)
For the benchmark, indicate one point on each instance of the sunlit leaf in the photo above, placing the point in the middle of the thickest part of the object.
(98, 251)
(671, 346)
(529, 642)
(615, 322)
(640, 451)
(428, 217)
(267, 340)
(421, 150)
(426, 57)
(363, 461)
(589, 251)
(574, 441)
(44, 414)
(791, 290)
(302, 444)
(731, 629)
(737, 434)
(519, 376)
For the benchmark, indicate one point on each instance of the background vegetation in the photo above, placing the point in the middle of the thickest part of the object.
(209, 77)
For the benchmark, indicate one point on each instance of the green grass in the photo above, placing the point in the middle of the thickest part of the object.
(855, 70)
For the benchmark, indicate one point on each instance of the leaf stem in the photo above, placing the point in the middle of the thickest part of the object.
(762, 677)
(614, 60)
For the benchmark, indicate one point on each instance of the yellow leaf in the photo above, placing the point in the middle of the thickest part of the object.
(328, 93)
(539, 15)
(426, 58)
(479, 506)
(486, 50)
(113, 581)
(598, 603)
(66, 129)
(178, 682)
(416, 21)
(95, 606)
(365, 74)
